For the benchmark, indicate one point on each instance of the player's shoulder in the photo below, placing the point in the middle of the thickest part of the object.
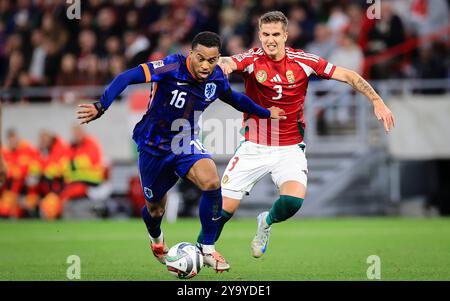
(301, 55)
(169, 63)
(175, 58)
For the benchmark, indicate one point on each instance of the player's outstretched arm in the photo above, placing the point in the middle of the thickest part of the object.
(243, 103)
(90, 112)
(381, 110)
(227, 65)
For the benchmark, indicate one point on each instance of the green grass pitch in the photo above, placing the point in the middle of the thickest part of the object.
(299, 249)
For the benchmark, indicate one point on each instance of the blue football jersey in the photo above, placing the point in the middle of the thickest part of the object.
(176, 101)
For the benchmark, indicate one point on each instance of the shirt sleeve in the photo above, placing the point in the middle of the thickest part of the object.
(144, 73)
(119, 83)
(324, 69)
(157, 70)
(243, 60)
(317, 65)
(243, 103)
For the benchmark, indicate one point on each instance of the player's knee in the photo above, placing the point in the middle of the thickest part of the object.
(155, 210)
(210, 184)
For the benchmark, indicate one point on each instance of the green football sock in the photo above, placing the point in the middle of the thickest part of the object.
(283, 208)
(226, 216)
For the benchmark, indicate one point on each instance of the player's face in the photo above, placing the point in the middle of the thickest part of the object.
(203, 61)
(273, 39)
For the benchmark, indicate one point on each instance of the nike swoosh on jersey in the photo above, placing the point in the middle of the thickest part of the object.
(216, 219)
(182, 84)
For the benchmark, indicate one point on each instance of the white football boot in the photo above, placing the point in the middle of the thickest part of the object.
(261, 240)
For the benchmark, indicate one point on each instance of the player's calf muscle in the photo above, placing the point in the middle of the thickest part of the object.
(230, 205)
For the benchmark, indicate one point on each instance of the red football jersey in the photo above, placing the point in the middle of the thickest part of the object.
(280, 83)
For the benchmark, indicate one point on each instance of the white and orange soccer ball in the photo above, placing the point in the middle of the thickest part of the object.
(184, 260)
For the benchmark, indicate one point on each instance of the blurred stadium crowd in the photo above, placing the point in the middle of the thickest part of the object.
(40, 180)
(40, 46)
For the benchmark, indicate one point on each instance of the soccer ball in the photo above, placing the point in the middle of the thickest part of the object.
(184, 260)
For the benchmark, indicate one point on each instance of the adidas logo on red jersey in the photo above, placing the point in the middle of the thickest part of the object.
(276, 79)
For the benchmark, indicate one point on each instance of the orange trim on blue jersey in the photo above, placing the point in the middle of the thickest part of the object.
(188, 65)
(153, 93)
(148, 76)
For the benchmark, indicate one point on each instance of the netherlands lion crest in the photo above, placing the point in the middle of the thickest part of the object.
(210, 90)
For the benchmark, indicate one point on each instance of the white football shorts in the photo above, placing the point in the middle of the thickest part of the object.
(252, 161)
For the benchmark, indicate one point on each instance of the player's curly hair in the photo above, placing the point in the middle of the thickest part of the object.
(208, 39)
(273, 17)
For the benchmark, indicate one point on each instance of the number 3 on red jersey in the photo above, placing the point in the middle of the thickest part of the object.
(279, 90)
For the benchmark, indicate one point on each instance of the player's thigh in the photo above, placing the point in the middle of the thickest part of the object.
(157, 176)
(289, 172)
(200, 169)
(249, 164)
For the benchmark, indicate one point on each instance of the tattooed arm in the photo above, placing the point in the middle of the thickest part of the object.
(381, 111)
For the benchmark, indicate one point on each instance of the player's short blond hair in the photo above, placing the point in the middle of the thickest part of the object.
(273, 17)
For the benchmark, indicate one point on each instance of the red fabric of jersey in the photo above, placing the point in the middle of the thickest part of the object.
(280, 83)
